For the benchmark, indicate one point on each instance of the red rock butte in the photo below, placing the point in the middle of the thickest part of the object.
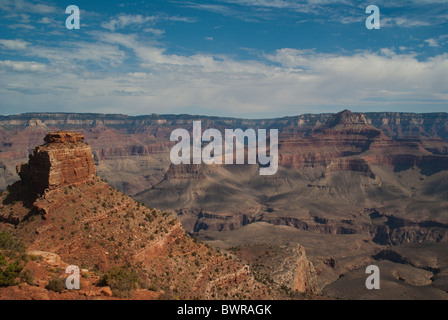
(64, 137)
(65, 159)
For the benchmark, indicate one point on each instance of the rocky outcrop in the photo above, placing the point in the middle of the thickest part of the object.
(185, 171)
(64, 137)
(356, 165)
(286, 266)
(349, 141)
(305, 280)
(349, 121)
(64, 159)
(396, 124)
(343, 134)
(399, 231)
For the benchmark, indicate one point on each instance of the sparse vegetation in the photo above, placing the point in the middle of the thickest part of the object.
(56, 284)
(10, 273)
(148, 217)
(12, 255)
(9, 244)
(122, 280)
(27, 276)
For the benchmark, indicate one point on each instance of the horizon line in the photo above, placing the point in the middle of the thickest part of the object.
(209, 116)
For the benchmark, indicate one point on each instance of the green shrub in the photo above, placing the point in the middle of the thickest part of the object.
(10, 249)
(8, 243)
(122, 280)
(3, 261)
(9, 274)
(56, 285)
(27, 276)
(148, 217)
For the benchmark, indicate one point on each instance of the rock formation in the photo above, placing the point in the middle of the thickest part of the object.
(86, 222)
(284, 265)
(64, 159)
(347, 119)
(305, 280)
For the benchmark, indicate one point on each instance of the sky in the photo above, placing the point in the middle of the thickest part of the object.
(233, 58)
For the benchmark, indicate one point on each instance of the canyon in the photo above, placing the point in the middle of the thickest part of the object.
(352, 189)
(64, 214)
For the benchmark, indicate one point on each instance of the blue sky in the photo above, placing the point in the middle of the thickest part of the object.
(239, 58)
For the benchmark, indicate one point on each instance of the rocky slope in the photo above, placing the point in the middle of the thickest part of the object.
(285, 265)
(78, 219)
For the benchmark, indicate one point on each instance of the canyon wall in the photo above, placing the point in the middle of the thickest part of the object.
(132, 153)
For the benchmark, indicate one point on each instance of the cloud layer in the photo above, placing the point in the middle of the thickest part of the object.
(126, 65)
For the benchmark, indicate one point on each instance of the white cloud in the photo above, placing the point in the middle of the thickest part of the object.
(45, 20)
(24, 66)
(353, 79)
(432, 42)
(303, 6)
(26, 6)
(124, 20)
(21, 26)
(14, 44)
(404, 22)
(74, 54)
(303, 80)
(156, 32)
(342, 11)
(286, 81)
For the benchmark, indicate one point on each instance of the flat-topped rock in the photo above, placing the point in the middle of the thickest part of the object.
(64, 137)
(64, 159)
(346, 117)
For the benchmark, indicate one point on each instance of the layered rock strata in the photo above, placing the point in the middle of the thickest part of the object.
(64, 159)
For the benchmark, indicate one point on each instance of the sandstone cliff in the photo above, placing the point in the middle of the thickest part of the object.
(64, 159)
